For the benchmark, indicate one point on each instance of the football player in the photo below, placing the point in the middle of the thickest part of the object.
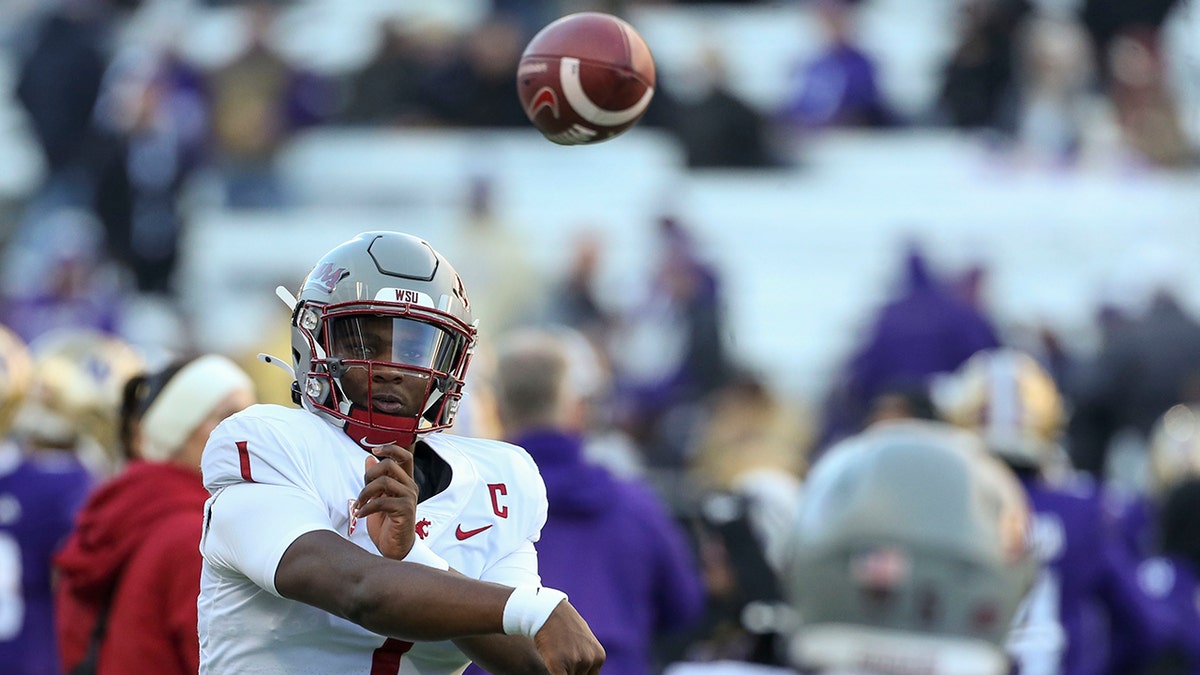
(319, 513)
(909, 555)
(40, 491)
(1014, 405)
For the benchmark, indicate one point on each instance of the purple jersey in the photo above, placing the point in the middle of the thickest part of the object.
(1088, 580)
(1172, 582)
(38, 500)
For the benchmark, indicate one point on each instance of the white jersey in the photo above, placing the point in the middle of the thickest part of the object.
(307, 472)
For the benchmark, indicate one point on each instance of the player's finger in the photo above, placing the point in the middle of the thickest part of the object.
(385, 487)
(376, 468)
(384, 506)
(402, 456)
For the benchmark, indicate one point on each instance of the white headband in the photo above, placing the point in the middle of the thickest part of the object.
(186, 400)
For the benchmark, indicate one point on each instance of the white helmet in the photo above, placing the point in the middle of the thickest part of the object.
(1007, 397)
(910, 554)
(381, 338)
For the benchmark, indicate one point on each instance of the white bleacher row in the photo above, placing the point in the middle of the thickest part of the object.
(805, 254)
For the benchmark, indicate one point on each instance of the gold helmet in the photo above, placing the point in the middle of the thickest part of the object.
(1006, 396)
(75, 398)
(16, 372)
(1174, 448)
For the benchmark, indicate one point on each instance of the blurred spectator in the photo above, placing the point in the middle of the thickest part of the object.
(1132, 65)
(1013, 404)
(669, 351)
(575, 301)
(56, 276)
(609, 543)
(151, 131)
(1147, 364)
(492, 51)
(715, 126)
(127, 595)
(838, 88)
(978, 86)
(504, 285)
(925, 329)
(753, 444)
(1055, 81)
(58, 84)
(258, 101)
(40, 491)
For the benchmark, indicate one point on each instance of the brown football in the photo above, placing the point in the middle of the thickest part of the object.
(585, 78)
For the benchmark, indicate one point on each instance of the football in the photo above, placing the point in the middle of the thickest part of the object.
(585, 78)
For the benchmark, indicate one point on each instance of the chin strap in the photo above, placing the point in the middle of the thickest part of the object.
(403, 431)
(278, 363)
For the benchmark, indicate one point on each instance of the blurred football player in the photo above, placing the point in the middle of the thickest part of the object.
(1174, 456)
(1173, 577)
(40, 491)
(75, 395)
(319, 513)
(1011, 401)
(129, 574)
(909, 555)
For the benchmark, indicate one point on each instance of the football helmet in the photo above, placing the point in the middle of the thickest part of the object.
(1006, 396)
(910, 547)
(381, 338)
(79, 376)
(1174, 448)
(16, 373)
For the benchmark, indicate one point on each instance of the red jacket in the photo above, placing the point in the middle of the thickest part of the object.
(136, 544)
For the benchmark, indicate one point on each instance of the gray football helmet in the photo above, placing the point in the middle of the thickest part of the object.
(909, 554)
(382, 306)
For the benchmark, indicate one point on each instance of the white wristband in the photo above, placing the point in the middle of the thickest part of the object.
(423, 555)
(528, 608)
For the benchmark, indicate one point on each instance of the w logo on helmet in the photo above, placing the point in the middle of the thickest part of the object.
(326, 277)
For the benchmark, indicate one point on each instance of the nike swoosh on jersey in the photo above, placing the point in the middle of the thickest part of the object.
(467, 534)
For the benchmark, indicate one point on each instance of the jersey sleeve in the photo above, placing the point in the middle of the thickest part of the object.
(255, 448)
(519, 568)
(249, 526)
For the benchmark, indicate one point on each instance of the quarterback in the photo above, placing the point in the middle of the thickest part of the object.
(348, 535)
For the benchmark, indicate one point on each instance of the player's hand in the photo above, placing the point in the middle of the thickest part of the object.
(567, 644)
(388, 501)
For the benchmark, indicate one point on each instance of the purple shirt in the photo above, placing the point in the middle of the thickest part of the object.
(1087, 569)
(611, 546)
(38, 500)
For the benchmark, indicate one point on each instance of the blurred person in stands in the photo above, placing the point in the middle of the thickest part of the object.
(1133, 67)
(908, 554)
(717, 128)
(491, 51)
(926, 328)
(40, 491)
(610, 543)
(151, 134)
(1006, 397)
(56, 276)
(347, 514)
(1148, 362)
(576, 301)
(838, 88)
(669, 351)
(1055, 82)
(496, 263)
(58, 81)
(126, 595)
(76, 392)
(1173, 577)
(258, 101)
(743, 486)
(979, 79)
